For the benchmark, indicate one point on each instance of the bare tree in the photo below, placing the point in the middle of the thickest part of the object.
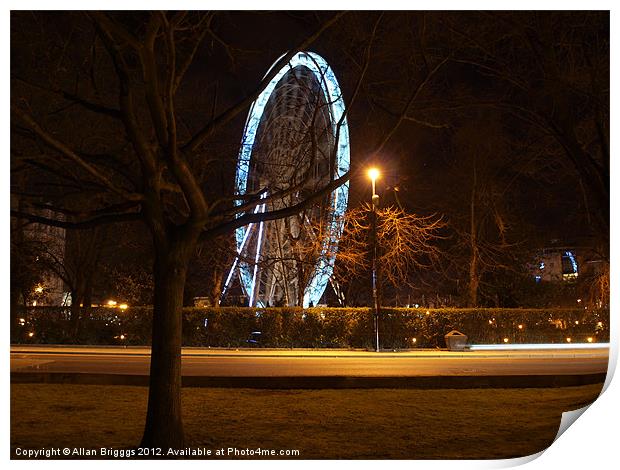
(485, 231)
(212, 262)
(139, 160)
(27, 270)
(406, 244)
(548, 70)
(78, 267)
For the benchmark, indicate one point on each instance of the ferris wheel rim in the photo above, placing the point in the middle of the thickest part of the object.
(330, 87)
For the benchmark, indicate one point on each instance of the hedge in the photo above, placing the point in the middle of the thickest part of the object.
(400, 328)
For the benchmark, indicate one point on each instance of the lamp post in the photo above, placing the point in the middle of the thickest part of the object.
(373, 174)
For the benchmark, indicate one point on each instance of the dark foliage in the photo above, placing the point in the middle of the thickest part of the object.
(401, 328)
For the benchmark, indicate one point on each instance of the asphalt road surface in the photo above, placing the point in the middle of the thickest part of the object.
(278, 363)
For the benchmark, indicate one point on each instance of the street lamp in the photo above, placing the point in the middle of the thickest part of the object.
(373, 174)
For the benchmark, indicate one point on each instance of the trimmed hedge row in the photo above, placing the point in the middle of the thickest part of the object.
(400, 328)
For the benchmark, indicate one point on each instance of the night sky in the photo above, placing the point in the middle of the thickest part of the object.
(471, 75)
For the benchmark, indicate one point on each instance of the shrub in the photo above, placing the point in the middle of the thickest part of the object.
(289, 327)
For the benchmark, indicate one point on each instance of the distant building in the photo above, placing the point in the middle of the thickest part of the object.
(53, 240)
(565, 264)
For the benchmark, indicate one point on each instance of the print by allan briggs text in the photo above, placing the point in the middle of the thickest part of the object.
(225, 452)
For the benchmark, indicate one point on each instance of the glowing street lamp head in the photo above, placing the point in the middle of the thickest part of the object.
(373, 174)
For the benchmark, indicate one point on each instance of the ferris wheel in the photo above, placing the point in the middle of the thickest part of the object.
(295, 141)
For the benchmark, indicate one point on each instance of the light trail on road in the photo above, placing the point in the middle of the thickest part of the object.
(301, 364)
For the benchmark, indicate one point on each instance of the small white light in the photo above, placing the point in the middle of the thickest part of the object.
(505, 340)
(568, 340)
(590, 339)
(31, 334)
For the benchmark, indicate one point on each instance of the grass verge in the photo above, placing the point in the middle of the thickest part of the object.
(323, 424)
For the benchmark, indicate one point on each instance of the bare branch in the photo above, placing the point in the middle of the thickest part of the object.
(126, 99)
(411, 99)
(70, 154)
(246, 219)
(82, 224)
(114, 29)
(83, 102)
(190, 57)
(233, 111)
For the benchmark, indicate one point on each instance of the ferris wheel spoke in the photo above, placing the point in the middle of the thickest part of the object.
(246, 237)
(257, 257)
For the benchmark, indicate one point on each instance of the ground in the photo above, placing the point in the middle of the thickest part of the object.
(330, 424)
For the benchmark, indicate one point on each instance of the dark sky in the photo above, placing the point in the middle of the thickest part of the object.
(430, 157)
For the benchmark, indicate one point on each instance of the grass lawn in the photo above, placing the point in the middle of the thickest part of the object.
(330, 424)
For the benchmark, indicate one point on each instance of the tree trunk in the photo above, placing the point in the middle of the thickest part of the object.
(14, 306)
(76, 299)
(164, 426)
(474, 280)
(87, 300)
(216, 287)
(474, 275)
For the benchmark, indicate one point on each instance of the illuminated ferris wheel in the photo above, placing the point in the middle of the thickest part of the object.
(295, 141)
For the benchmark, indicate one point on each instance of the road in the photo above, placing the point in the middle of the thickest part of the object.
(294, 363)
